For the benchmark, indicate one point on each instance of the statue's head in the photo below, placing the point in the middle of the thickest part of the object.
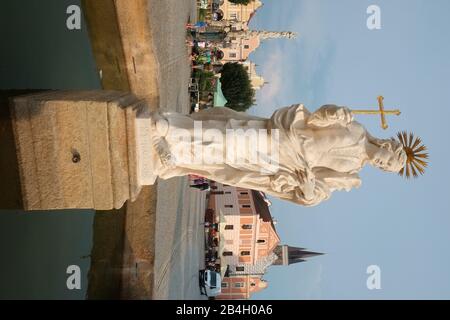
(389, 155)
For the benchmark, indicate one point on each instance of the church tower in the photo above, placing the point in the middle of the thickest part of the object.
(289, 255)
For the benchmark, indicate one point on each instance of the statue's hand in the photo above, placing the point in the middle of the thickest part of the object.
(306, 182)
(305, 176)
(300, 182)
(163, 151)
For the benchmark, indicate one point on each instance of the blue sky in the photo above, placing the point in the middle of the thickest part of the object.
(401, 226)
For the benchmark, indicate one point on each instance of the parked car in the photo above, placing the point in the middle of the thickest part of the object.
(210, 283)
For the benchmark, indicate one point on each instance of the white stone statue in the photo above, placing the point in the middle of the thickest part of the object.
(295, 155)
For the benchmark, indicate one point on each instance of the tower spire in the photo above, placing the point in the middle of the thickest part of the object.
(289, 255)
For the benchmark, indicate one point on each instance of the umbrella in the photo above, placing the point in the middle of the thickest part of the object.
(219, 98)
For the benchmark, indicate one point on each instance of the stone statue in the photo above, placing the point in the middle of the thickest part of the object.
(97, 149)
(295, 155)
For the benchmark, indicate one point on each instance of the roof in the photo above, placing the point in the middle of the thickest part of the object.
(262, 208)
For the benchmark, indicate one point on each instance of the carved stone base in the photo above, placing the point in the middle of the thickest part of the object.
(147, 159)
(79, 149)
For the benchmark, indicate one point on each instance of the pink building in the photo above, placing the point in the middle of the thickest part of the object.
(246, 228)
(239, 49)
(241, 287)
(248, 240)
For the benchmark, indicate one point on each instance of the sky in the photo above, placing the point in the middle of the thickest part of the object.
(401, 226)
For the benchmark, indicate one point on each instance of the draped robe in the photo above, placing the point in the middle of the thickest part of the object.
(319, 152)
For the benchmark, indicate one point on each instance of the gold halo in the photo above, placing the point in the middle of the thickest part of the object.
(416, 156)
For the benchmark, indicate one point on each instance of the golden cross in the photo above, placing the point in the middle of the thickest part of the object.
(381, 112)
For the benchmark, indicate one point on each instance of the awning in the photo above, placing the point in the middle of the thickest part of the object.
(222, 219)
(221, 245)
(219, 98)
(223, 270)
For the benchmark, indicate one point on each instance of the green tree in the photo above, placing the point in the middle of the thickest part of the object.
(244, 2)
(237, 87)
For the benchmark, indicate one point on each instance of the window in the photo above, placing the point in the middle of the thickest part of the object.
(240, 269)
(233, 16)
(228, 206)
(229, 227)
(253, 284)
(227, 192)
(247, 226)
(246, 46)
(227, 253)
(239, 285)
(261, 241)
(246, 206)
(232, 54)
(213, 279)
(245, 253)
(244, 193)
(224, 284)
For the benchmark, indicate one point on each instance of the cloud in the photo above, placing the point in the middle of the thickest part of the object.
(314, 289)
(296, 70)
(273, 73)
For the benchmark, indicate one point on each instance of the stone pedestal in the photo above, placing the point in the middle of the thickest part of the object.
(77, 149)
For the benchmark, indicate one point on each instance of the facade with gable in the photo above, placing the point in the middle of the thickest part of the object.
(249, 241)
(238, 12)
